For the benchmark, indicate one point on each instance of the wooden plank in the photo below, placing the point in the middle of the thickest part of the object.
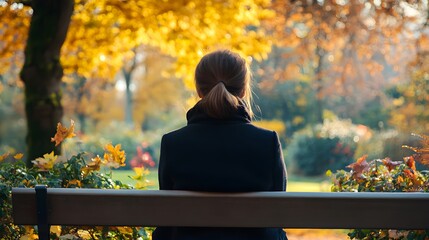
(88, 207)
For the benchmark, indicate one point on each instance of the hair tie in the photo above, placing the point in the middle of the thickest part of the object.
(223, 83)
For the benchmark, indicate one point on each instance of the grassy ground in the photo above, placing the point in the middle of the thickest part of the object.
(295, 183)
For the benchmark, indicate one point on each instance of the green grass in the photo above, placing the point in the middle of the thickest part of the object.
(295, 183)
(125, 177)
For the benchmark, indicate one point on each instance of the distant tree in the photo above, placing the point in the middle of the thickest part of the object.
(291, 101)
(409, 109)
(341, 45)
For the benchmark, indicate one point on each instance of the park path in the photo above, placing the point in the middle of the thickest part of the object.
(316, 234)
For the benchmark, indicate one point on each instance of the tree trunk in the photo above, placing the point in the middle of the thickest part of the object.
(127, 71)
(319, 85)
(128, 98)
(42, 73)
(81, 92)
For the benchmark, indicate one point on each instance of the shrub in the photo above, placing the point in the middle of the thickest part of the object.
(385, 175)
(314, 155)
(328, 146)
(76, 172)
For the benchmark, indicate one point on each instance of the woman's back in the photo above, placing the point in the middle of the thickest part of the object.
(219, 150)
(228, 155)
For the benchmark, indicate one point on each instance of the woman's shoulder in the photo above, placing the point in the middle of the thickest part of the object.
(206, 133)
(185, 130)
(259, 131)
(248, 127)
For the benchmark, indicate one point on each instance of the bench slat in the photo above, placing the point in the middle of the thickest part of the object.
(92, 207)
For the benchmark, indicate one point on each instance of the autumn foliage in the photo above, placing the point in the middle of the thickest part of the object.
(386, 175)
(78, 171)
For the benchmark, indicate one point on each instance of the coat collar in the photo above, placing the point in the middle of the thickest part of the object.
(197, 115)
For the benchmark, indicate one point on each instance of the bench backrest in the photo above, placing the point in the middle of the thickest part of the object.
(88, 207)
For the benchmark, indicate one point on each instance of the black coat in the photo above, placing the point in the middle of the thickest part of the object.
(212, 155)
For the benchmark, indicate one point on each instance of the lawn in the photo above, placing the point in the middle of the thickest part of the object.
(295, 183)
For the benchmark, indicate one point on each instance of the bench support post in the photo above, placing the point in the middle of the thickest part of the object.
(42, 212)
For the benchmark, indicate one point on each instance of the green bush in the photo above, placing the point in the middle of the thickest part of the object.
(331, 146)
(312, 155)
(385, 175)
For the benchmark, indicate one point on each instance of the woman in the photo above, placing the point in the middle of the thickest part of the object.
(220, 150)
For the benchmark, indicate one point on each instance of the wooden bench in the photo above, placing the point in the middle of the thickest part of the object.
(97, 207)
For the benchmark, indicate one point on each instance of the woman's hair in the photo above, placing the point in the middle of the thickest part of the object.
(223, 81)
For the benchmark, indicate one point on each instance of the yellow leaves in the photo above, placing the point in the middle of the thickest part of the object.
(398, 101)
(125, 230)
(29, 237)
(140, 173)
(94, 165)
(29, 234)
(140, 177)
(56, 230)
(84, 234)
(274, 125)
(45, 163)
(113, 156)
(179, 29)
(14, 23)
(63, 133)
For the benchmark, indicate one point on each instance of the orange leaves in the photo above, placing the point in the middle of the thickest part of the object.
(421, 153)
(410, 162)
(18, 156)
(113, 156)
(74, 182)
(3, 156)
(63, 133)
(359, 166)
(390, 164)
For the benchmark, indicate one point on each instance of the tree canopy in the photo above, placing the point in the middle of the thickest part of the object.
(103, 35)
(328, 48)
